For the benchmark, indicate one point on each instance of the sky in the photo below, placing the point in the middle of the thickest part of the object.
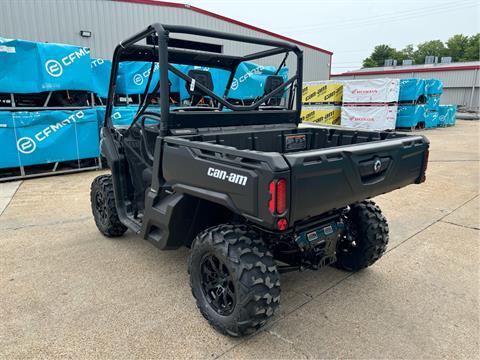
(351, 29)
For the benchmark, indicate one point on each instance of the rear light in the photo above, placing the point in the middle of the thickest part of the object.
(282, 224)
(281, 196)
(277, 204)
(273, 196)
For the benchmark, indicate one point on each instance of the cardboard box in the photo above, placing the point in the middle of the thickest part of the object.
(318, 92)
(321, 114)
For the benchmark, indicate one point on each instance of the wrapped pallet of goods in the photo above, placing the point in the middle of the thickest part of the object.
(431, 119)
(319, 114)
(49, 136)
(447, 115)
(49, 124)
(412, 91)
(381, 117)
(371, 91)
(411, 116)
(322, 92)
(36, 74)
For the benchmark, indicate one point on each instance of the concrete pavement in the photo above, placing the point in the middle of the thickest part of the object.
(66, 291)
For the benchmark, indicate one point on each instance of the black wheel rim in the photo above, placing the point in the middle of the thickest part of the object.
(217, 285)
(101, 206)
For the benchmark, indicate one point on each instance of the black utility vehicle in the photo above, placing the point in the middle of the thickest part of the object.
(241, 184)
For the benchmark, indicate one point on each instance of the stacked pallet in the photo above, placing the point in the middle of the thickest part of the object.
(419, 105)
(322, 102)
(370, 103)
(47, 119)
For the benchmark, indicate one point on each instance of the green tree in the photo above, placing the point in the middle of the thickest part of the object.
(406, 53)
(472, 52)
(432, 47)
(457, 46)
(379, 54)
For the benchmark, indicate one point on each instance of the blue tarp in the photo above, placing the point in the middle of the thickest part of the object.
(447, 115)
(40, 137)
(123, 115)
(433, 102)
(132, 78)
(411, 89)
(248, 83)
(31, 67)
(433, 87)
(410, 115)
(101, 76)
(431, 119)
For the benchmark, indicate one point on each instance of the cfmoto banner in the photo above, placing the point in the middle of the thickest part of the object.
(30, 67)
(30, 138)
(101, 76)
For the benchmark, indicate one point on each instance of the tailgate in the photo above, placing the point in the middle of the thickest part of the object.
(327, 179)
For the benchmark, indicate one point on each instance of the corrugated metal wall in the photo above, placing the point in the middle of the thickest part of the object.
(461, 87)
(112, 21)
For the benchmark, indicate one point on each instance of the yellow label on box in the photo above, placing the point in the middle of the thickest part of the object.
(322, 116)
(322, 93)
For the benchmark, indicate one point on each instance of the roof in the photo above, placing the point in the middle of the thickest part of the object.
(456, 66)
(227, 19)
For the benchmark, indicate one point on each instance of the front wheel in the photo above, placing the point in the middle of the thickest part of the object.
(102, 199)
(366, 237)
(234, 279)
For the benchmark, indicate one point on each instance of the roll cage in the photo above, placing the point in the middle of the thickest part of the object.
(157, 50)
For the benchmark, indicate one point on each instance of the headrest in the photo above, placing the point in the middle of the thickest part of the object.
(203, 77)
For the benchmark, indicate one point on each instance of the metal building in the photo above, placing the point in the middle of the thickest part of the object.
(101, 24)
(461, 81)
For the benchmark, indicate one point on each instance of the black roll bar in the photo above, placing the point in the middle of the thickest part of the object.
(163, 31)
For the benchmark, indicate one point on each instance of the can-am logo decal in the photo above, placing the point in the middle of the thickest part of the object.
(226, 176)
(55, 68)
(138, 78)
(27, 145)
(236, 82)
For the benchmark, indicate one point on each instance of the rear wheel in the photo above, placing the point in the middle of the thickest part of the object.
(102, 199)
(234, 279)
(365, 239)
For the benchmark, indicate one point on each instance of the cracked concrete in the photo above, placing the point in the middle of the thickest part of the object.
(66, 291)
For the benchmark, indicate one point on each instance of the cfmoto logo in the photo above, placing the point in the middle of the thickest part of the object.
(54, 68)
(26, 145)
(234, 84)
(138, 79)
(377, 165)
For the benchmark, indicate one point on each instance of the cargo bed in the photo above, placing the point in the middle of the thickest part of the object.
(328, 168)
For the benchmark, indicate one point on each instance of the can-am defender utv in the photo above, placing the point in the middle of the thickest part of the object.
(248, 190)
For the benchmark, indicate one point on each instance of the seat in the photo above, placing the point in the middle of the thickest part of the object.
(201, 77)
(271, 83)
